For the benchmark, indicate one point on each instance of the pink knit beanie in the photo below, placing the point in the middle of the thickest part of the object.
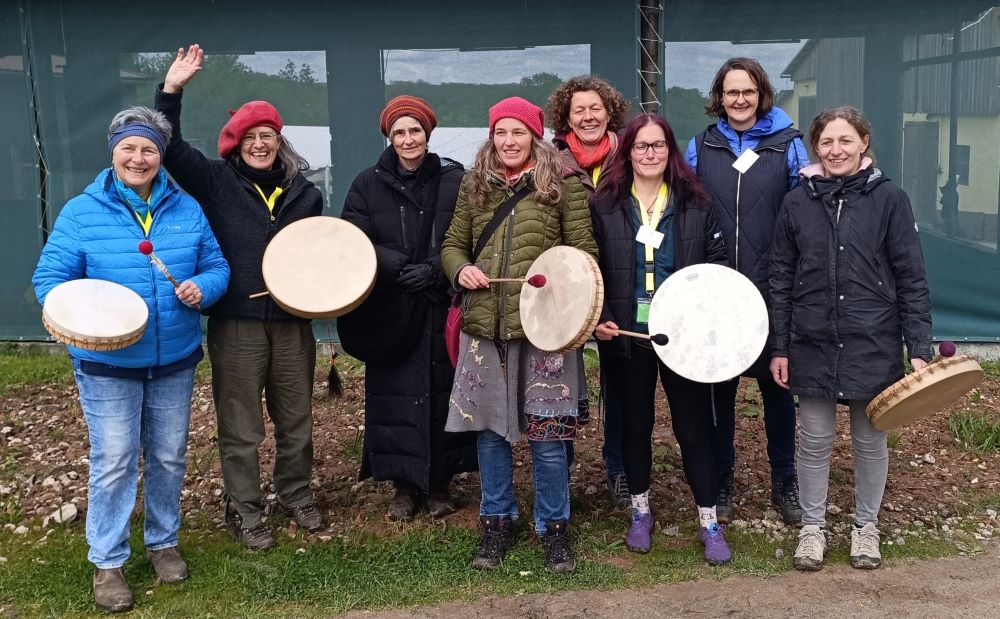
(519, 109)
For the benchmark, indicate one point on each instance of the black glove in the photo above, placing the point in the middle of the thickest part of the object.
(416, 277)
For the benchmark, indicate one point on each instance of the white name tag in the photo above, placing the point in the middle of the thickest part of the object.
(649, 236)
(747, 159)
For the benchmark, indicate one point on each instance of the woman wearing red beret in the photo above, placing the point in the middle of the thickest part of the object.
(248, 195)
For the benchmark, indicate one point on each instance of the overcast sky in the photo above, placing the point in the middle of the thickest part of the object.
(689, 65)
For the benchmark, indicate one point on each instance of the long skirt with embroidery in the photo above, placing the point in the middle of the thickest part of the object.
(537, 395)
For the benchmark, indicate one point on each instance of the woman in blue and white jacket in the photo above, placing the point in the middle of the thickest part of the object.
(139, 397)
(748, 160)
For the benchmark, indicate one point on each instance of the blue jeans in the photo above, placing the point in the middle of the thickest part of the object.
(549, 465)
(123, 416)
(779, 425)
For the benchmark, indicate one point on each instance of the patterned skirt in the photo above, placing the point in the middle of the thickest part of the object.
(513, 388)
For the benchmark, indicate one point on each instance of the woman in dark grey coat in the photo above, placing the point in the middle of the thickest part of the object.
(404, 203)
(847, 286)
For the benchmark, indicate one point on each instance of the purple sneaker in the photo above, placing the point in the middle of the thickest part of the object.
(716, 549)
(640, 533)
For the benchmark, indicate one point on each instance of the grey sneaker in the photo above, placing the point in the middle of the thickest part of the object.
(306, 516)
(865, 553)
(257, 537)
(168, 564)
(809, 553)
(724, 502)
(111, 592)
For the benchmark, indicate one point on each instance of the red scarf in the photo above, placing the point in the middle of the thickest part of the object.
(588, 160)
(512, 175)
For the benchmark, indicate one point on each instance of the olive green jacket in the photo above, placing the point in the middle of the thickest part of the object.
(529, 230)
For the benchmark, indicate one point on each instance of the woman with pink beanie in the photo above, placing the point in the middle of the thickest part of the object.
(515, 203)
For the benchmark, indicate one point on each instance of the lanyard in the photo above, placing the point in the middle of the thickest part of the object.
(651, 220)
(596, 174)
(146, 223)
(269, 201)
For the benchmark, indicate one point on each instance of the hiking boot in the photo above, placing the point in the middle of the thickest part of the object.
(618, 488)
(785, 499)
(809, 553)
(724, 504)
(254, 538)
(111, 592)
(168, 564)
(640, 533)
(865, 553)
(439, 503)
(498, 537)
(559, 557)
(404, 504)
(716, 549)
(306, 516)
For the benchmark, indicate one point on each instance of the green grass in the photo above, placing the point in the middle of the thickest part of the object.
(975, 432)
(19, 368)
(991, 369)
(892, 439)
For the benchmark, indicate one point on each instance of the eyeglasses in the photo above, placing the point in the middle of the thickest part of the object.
(659, 147)
(734, 94)
(266, 137)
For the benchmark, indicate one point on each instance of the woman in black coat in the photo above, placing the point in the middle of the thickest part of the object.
(847, 288)
(404, 203)
(650, 186)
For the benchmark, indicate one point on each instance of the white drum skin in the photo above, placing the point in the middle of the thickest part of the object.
(95, 314)
(715, 319)
(561, 315)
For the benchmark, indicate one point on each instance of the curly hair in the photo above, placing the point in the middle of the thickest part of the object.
(548, 174)
(557, 107)
(765, 91)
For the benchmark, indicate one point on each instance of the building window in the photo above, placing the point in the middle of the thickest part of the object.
(962, 164)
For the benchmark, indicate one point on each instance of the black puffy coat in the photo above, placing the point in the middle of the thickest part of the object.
(697, 239)
(239, 218)
(406, 397)
(848, 286)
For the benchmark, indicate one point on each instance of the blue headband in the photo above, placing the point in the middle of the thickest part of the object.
(137, 129)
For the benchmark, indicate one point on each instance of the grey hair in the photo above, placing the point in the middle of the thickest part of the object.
(144, 116)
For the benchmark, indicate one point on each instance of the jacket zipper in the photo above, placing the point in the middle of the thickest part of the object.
(402, 220)
(509, 238)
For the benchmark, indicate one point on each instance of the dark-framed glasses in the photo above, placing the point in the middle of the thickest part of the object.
(734, 93)
(659, 147)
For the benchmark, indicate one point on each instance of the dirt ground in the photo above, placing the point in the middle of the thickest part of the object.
(953, 587)
(935, 484)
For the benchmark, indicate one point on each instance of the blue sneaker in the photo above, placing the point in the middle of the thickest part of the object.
(716, 549)
(640, 533)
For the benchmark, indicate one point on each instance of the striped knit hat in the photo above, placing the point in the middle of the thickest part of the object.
(407, 105)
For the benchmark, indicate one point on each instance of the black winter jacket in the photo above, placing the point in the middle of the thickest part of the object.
(847, 286)
(746, 204)
(406, 395)
(238, 216)
(697, 239)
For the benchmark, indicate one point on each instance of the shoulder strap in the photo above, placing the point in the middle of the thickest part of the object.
(498, 216)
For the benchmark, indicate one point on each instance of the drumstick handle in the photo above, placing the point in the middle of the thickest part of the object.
(163, 269)
(644, 336)
(257, 295)
(508, 279)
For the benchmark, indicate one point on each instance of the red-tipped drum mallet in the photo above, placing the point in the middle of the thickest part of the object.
(146, 249)
(538, 280)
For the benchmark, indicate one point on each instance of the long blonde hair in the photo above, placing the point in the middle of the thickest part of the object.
(548, 173)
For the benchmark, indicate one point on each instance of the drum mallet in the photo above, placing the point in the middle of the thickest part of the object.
(538, 280)
(146, 249)
(660, 339)
(945, 349)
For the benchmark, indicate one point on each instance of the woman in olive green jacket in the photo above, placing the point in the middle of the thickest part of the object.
(503, 385)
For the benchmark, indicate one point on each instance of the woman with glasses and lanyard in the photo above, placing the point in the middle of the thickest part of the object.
(651, 218)
(748, 160)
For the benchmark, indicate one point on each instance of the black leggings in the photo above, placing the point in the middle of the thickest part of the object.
(634, 383)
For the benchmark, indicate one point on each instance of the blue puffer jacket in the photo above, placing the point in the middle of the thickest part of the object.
(97, 236)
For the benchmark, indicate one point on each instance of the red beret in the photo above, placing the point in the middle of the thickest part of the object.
(519, 109)
(250, 114)
(407, 105)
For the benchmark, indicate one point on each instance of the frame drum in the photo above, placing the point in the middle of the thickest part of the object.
(561, 315)
(715, 319)
(319, 267)
(925, 391)
(94, 314)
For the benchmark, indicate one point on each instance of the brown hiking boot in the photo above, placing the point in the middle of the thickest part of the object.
(168, 564)
(257, 537)
(439, 503)
(404, 504)
(306, 516)
(111, 592)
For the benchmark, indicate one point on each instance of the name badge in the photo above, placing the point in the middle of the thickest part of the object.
(642, 310)
(747, 159)
(648, 236)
